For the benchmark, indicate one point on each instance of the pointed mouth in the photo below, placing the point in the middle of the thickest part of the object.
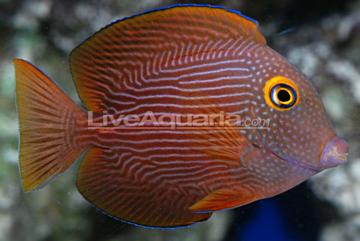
(335, 153)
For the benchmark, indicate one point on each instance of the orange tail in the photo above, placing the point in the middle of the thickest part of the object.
(49, 121)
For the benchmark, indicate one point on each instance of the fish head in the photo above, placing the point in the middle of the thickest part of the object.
(298, 130)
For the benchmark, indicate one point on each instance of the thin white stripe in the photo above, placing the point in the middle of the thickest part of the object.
(244, 102)
(195, 74)
(177, 97)
(217, 79)
(144, 89)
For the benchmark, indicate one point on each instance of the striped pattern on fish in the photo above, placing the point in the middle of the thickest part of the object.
(181, 61)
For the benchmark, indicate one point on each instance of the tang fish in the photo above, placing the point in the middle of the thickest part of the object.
(184, 60)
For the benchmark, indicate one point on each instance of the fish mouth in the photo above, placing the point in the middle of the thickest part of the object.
(335, 153)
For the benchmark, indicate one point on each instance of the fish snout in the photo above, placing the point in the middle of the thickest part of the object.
(334, 153)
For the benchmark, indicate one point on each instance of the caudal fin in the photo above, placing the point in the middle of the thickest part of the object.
(48, 122)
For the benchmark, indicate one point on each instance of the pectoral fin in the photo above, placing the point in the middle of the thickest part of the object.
(224, 199)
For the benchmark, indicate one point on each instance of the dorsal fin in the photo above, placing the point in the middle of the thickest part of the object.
(100, 63)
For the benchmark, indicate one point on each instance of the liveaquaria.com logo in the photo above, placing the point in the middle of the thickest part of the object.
(150, 120)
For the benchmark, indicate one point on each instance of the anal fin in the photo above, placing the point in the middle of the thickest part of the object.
(119, 194)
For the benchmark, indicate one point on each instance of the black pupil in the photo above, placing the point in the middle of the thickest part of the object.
(284, 96)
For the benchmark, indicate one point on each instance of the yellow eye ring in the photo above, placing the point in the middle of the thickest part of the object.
(281, 93)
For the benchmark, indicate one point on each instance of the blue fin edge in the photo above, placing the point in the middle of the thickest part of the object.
(187, 5)
(165, 8)
(99, 210)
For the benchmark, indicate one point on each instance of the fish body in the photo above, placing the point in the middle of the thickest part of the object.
(144, 166)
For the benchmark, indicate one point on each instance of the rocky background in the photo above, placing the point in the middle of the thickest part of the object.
(322, 38)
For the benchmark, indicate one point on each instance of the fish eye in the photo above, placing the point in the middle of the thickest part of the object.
(281, 93)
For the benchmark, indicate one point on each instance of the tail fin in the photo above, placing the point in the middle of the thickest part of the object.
(48, 123)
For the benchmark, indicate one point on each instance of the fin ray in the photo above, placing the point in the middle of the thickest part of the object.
(41, 107)
(224, 199)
